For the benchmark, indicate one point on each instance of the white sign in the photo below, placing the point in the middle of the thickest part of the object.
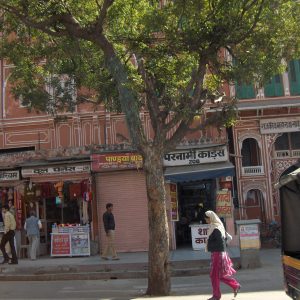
(199, 236)
(279, 125)
(9, 175)
(196, 156)
(56, 170)
(249, 232)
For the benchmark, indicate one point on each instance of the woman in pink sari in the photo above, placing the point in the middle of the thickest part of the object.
(221, 264)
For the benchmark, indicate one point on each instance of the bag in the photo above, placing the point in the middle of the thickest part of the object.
(228, 237)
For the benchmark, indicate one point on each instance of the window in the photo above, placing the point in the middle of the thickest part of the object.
(250, 153)
(288, 141)
(274, 88)
(294, 77)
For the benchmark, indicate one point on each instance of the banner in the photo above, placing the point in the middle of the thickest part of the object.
(223, 204)
(174, 202)
(80, 244)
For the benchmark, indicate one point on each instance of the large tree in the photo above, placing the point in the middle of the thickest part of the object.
(165, 57)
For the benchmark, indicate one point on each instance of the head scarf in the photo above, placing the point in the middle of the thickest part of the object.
(215, 223)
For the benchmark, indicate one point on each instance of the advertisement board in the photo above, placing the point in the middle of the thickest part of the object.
(60, 244)
(199, 236)
(223, 204)
(174, 202)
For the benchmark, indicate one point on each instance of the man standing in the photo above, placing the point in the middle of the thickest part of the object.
(32, 227)
(109, 226)
(9, 235)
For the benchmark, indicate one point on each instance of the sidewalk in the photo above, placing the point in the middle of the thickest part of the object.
(183, 262)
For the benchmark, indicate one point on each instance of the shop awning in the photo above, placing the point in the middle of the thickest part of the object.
(199, 172)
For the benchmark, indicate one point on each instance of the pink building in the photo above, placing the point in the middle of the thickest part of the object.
(266, 140)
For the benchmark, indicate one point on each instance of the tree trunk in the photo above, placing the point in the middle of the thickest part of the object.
(158, 258)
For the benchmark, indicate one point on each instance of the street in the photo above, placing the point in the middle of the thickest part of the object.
(258, 284)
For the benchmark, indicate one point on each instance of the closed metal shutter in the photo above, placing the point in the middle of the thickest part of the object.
(127, 191)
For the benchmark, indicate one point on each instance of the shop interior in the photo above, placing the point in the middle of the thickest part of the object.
(194, 198)
(63, 203)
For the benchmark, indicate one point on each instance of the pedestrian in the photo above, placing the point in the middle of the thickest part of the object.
(109, 227)
(221, 264)
(9, 236)
(32, 227)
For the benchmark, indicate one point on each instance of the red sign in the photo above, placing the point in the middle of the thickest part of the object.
(116, 161)
(224, 206)
(60, 244)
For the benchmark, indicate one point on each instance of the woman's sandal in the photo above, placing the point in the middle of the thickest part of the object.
(236, 291)
(213, 298)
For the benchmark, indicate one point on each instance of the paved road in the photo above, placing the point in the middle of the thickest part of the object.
(260, 284)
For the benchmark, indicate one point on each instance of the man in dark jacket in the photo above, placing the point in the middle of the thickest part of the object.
(109, 227)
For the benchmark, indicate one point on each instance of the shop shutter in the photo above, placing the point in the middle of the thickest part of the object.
(294, 77)
(274, 88)
(127, 191)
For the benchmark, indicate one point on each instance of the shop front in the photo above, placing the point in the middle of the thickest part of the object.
(61, 195)
(10, 185)
(199, 175)
(120, 180)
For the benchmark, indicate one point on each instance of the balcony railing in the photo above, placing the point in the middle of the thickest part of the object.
(253, 170)
(287, 153)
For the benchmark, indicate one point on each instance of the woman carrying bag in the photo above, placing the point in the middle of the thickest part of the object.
(221, 264)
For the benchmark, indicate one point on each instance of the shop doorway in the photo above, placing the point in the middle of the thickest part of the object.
(194, 198)
(56, 204)
(255, 205)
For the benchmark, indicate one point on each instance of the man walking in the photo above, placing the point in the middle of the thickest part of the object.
(32, 227)
(109, 226)
(9, 236)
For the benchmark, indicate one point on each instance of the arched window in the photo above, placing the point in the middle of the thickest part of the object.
(250, 153)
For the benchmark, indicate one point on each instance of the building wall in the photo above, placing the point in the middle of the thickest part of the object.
(264, 176)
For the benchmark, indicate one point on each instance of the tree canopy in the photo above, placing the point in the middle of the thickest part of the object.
(166, 51)
(166, 57)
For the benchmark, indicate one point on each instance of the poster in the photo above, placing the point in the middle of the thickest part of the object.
(199, 236)
(223, 204)
(60, 244)
(174, 202)
(80, 244)
(249, 236)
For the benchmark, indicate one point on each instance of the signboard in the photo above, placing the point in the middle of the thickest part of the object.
(60, 244)
(116, 161)
(9, 175)
(59, 170)
(199, 236)
(196, 156)
(279, 125)
(223, 204)
(80, 244)
(174, 202)
(249, 236)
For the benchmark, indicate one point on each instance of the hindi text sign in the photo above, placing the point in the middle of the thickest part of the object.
(279, 125)
(174, 202)
(199, 236)
(116, 161)
(223, 204)
(60, 244)
(196, 156)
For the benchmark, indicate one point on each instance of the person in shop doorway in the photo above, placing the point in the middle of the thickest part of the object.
(221, 264)
(12, 208)
(32, 227)
(9, 237)
(109, 227)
